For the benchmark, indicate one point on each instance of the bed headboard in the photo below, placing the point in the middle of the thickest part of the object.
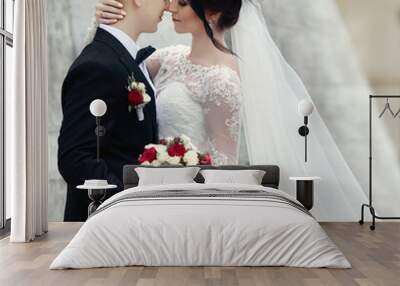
(271, 178)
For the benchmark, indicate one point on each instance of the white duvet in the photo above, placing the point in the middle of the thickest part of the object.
(200, 232)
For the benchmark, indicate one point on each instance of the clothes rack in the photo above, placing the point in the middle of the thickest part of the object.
(370, 205)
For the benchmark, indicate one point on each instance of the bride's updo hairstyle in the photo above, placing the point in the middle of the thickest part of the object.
(229, 10)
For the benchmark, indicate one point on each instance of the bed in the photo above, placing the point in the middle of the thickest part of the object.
(198, 224)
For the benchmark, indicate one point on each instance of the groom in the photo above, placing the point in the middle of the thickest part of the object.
(101, 72)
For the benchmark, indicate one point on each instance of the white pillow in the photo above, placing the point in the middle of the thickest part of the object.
(166, 176)
(248, 177)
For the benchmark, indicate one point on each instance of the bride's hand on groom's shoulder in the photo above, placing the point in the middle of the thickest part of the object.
(109, 11)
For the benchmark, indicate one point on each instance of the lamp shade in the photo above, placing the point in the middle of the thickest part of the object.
(305, 107)
(98, 108)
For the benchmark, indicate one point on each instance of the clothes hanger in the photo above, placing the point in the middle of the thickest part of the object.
(397, 113)
(387, 107)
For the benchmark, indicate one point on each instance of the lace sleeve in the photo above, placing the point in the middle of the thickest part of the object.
(165, 56)
(223, 108)
(91, 31)
(154, 62)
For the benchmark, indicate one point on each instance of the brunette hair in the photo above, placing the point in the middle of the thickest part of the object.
(229, 9)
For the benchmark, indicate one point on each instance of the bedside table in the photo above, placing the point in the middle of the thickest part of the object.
(305, 190)
(96, 193)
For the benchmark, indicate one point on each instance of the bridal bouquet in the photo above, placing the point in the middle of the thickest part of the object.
(174, 151)
(137, 97)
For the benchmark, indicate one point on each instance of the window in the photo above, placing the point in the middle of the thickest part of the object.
(6, 45)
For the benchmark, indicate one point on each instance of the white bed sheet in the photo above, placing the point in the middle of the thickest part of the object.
(200, 232)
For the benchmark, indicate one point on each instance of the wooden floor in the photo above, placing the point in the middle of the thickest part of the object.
(375, 257)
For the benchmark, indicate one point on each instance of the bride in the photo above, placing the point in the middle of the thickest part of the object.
(198, 87)
(271, 91)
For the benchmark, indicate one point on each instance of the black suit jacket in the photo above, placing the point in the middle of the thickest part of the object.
(101, 72)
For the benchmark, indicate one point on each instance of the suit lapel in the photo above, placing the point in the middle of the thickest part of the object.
(125, 58)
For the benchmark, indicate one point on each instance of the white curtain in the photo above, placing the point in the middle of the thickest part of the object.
(26, 123)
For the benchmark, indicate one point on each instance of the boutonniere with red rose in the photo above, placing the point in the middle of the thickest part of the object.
(174, 151)
(137, 97)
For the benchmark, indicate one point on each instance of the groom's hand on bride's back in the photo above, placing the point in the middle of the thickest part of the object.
(109, 11)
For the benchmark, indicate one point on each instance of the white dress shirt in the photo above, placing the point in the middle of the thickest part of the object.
(131, 46)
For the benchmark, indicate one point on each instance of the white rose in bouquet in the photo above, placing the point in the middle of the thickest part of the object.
(191, 158)
(156, 163)
(161, 148)
(163, 156)
(174, 160)
(186, 140)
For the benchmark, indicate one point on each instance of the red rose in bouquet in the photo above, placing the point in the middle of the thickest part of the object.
(135, 97)
(177, 149)
(205, 159)
(148, 155)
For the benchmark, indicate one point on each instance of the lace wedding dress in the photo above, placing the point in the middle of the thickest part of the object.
(202, 102)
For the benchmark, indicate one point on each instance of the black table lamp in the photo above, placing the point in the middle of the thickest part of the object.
(305, 108)
(98, 108)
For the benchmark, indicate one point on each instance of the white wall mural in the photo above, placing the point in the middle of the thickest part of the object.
(313, 38)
